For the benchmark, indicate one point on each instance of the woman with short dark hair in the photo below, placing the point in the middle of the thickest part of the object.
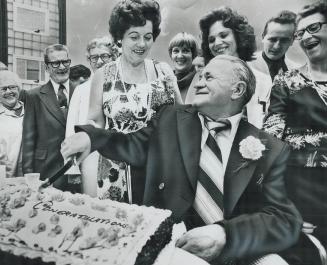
(128, 92)
(183, 48)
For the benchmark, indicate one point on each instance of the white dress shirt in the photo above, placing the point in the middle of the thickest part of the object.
(224, 138)
(66, 90)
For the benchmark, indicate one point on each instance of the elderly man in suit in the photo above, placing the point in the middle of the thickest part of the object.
(45, 117)
(219, 174)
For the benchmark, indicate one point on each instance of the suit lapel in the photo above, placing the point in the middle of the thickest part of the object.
(189, 134)
(236, 179)
(49, 98)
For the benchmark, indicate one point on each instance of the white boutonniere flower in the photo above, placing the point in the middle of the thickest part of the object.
(251, 149)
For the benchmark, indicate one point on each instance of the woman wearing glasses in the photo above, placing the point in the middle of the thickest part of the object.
(11, 120)
(297, 114)
(127, 93)
(99, 51)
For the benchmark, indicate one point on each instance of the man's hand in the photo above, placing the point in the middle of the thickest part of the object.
(205, 242)
(78, 145)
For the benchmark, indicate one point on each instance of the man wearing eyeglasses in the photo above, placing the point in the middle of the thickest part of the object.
(277, 37)
(45, 123)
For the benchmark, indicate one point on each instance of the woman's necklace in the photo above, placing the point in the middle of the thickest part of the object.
(322, 92)
(120, 65)
(133, 96)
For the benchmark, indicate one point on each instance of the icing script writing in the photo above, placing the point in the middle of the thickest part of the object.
(48, 206)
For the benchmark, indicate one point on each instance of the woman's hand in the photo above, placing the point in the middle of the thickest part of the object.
(79, 145)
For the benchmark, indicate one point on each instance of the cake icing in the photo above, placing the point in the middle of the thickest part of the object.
(76, 229)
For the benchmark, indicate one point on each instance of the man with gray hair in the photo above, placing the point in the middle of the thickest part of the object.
(45, 117)
(216, 172)
(99, 51)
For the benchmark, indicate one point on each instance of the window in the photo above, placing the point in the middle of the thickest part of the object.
(31, 19)
(31, 70)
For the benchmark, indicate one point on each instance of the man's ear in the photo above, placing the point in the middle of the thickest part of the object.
(238, 90)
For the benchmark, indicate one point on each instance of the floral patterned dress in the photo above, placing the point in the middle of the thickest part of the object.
(298, 115)
(128, 108)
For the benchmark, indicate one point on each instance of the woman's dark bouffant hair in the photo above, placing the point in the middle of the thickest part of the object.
(128, 13)
(243, 32)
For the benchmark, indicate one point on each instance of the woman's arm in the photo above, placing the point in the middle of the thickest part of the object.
(275, 121)
(96, 115)
(172, 81)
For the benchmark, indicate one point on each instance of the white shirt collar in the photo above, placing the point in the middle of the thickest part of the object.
(234, 120)
(56, 86)
(224, 139)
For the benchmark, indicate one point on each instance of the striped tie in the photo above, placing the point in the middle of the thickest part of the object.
(208, 203)
(62, 100)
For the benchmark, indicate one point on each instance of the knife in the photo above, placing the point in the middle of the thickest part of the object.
(58, 174)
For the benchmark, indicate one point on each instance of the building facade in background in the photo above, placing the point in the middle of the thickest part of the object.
(26, 28)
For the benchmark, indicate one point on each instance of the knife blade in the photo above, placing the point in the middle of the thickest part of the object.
(58, 174)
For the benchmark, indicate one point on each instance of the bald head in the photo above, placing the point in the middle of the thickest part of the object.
(226, 84)
(242, 72)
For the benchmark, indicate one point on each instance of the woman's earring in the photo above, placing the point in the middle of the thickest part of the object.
(119, 43)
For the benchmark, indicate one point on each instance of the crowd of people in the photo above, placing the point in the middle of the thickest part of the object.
(232, 140)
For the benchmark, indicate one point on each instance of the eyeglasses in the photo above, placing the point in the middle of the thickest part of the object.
(11, 88)
(104, 57)
(56, 64)
(312, 28)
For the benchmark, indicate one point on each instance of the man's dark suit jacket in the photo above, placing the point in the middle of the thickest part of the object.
(43, 131)
(259, 218)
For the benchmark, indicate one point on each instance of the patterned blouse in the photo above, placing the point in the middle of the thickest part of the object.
(129, 108)
(298, 115)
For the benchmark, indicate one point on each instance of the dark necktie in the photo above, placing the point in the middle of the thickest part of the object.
(62, 99)
(208, 203)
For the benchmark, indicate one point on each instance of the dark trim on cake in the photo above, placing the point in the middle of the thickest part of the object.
(156, 243)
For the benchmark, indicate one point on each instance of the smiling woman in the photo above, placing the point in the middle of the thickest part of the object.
(127, 93)
(182, 50)
(224, 31)
(297, 114)
(11, 120)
